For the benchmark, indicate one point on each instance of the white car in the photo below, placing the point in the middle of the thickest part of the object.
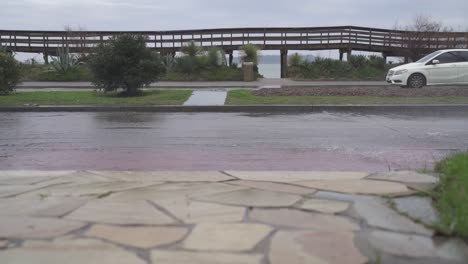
(443, 67)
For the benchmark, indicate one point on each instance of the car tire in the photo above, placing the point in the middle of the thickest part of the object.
(416, 80)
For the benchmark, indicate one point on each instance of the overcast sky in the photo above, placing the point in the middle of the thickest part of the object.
(191, 14)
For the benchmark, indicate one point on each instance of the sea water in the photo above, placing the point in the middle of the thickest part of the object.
(270, 70)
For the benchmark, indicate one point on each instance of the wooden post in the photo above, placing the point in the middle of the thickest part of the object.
(284, 63)
(231, 57)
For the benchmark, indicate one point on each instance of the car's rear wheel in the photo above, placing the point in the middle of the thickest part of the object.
(416, 80)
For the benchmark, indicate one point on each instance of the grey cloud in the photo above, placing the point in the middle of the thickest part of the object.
(188, 14)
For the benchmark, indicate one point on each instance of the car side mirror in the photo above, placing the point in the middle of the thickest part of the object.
(435, 62)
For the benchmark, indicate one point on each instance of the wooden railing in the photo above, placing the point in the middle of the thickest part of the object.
(318, 38)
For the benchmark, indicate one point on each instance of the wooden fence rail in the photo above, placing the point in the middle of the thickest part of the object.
(392, 42)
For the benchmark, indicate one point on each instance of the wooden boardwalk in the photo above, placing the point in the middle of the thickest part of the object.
(345, 39)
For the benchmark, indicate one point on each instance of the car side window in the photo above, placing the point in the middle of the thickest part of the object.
(463, 55)
(447, 57)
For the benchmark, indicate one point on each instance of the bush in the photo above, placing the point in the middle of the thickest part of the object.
(295, 60)
(127, 63)
(64, 61)
(249, 53)
(357, 61)
(9, 73)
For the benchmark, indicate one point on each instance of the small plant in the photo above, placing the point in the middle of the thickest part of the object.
(169, 62)
(250, 53)
(376, 62)
(65, 61)
(192, 50)
(295, 60)
(357, 61)
(9, 73)
(216, 57)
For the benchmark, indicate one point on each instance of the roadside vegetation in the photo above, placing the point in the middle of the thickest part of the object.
(192, 64)
(197, 64)
(358, 67)
(9, 73)
(159, 97)
(246, 97)
(451, 196)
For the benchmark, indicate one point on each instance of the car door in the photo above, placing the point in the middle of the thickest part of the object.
(444, 72)
(462, 67)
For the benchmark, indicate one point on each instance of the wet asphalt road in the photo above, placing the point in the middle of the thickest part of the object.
(227, 141)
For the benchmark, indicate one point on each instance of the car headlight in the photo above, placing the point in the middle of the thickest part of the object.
(400, 72)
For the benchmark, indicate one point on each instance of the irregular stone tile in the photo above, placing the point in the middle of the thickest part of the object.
(90, 189)
(452, 249)
(340, 196)
(299, 219)
(405, 176)
(62, 208)
(40, 206)
(15, 190)
(421, 187)
(3, 244)
(29, 227)
(33, 173)
(112, 212)
(195, 212)
(314, 247)
(253, 197)
(184, 257)
(293, 176)
(166, 176)
(174, 190)
(69, 251)
(276, 187)
(23, 180)
(402, 245)
(417, 207)
(324, 206)
(358, 186)
(378, 214)
(229, 237)
(18, 177)
(141, 237)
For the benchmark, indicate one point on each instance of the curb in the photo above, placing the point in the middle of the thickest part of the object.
(430, 110)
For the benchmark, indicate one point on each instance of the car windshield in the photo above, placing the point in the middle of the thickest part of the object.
(429, 56)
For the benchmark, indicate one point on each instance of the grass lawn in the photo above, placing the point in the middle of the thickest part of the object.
(451, 196)
(245, 97)
(176, 97)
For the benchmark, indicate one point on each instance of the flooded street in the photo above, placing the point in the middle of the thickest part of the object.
(227, 141)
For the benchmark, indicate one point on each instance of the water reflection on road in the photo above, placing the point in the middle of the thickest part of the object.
(217, 141)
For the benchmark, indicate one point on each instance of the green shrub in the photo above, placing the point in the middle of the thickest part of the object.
(357, 61)
(216, 57)
(451, 195)
(9, 73)
(192, 50)
(185, 64)
(125, 62)
(357, 68)
(250, 53)
(64, 61)
(376, 61)
(295, 60)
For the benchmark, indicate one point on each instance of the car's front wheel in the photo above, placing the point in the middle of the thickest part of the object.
(416, 80)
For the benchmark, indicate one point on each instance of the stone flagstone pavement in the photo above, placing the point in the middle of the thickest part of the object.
(231, 217)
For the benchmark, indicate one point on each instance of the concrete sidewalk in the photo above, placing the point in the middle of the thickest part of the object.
(227, 84)
(213, 217)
